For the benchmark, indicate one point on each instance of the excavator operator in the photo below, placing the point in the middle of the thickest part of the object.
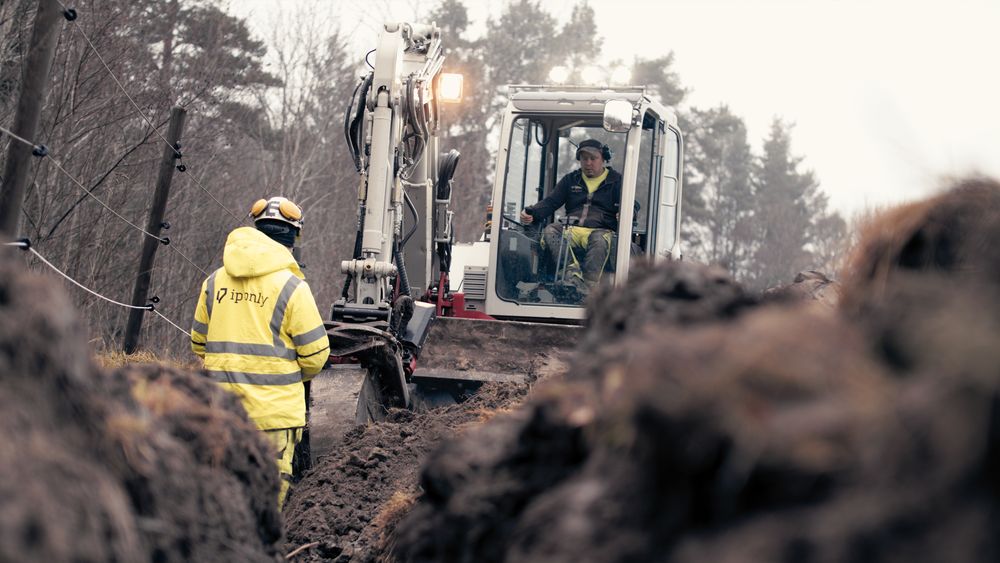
(258, 329)
(592, 196)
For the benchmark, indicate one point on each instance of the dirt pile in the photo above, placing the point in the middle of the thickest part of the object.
(702, 425)
(807, 286)
(951, 236)
(344, 508)
(140, 464)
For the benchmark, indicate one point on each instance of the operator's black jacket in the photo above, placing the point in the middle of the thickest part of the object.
(572, 191)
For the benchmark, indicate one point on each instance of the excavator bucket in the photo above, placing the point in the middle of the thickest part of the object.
(457, 357)
(476, 351)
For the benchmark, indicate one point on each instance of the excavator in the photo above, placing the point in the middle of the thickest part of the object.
(412, 330)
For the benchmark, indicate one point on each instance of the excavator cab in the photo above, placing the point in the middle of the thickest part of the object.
(529, 270)
(540, 133)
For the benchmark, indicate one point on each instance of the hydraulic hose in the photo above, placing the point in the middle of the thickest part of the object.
(415, 139)
(404, 282)
(446, 171)
(352, 127)
(358, 235)
(351, 146)
(416, 219)
(352, 131)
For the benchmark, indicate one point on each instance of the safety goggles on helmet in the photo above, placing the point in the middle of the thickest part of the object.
(279, 208)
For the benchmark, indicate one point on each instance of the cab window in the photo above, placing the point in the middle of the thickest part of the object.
(533, 264)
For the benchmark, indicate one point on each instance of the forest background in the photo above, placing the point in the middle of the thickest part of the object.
(265, 116)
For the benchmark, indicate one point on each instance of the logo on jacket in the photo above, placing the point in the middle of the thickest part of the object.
(240, 296)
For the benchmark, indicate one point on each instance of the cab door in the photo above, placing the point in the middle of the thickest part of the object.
(667, 237)
(656, 231)
(655, 225)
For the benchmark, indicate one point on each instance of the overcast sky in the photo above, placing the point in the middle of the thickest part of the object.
(887, 96)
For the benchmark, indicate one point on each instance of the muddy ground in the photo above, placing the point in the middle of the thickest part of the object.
(344, 509)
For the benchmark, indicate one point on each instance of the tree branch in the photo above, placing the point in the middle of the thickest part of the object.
(52, 230)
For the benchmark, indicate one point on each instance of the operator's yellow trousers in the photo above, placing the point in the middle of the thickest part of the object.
(592, 243)
(283, 442)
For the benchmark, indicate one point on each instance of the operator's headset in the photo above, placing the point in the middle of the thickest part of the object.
(605, 152)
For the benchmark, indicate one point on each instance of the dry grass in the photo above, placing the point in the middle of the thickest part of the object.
(118, 359)
(388, 517)
(484, 415)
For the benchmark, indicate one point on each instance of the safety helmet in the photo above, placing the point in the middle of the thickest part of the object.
(279, 209)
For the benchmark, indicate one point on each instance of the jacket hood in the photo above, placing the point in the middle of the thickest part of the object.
(250, 253)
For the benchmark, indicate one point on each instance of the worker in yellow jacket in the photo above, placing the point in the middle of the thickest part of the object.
(258, 329)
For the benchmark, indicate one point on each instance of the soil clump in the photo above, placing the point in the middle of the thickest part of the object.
(810, 286)
(145, 463)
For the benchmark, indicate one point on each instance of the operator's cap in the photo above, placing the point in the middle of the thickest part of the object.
(591, 146)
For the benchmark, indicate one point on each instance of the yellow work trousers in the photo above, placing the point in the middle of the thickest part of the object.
(283, 442)
(592, 244)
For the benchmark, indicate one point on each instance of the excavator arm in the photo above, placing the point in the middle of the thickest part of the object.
(391, 128)
(396, 126)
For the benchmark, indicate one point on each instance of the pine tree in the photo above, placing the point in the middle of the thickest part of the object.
(521, 47)
(829, 242)
(719, 173)
(660, 78)
(787, 200)
(579, 42)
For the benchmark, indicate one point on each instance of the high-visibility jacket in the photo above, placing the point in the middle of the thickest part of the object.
(258, 329)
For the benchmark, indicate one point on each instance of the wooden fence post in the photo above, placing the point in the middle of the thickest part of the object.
(154, 226)
(34, 87)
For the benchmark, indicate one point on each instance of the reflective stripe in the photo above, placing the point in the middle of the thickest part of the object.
(311, 336)
(255, 378)
(279, 309)
(199, 327)
(249, 350)
(210, 293)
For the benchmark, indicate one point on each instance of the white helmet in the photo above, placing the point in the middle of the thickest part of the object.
(277, 208)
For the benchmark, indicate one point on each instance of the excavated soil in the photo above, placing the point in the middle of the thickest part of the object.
(701, 425)
(146, 463)
(344, 508)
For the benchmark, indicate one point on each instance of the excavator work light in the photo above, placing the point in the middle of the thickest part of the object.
(450, 88)
(559, 74)
(592, 75)
(621, 75)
